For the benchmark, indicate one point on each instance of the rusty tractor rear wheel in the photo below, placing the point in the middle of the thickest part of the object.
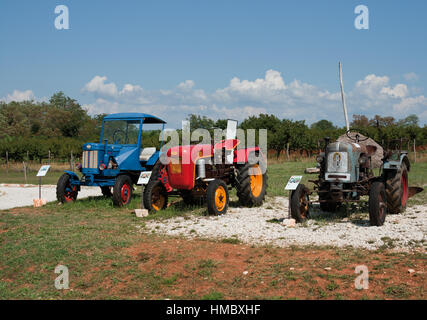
(397, 190)
(155, 196)
(217, 197)
(122, 190)
(377, 204)
(252, 183)
(300, 203)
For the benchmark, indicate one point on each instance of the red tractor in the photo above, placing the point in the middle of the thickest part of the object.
(208, 172)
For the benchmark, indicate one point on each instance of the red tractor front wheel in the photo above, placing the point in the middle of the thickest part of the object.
(217, 197)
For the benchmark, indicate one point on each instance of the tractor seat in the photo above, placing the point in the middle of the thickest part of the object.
(146, 153)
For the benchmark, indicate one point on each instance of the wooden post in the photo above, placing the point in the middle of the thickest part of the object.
(49, 157)
(287, 150)
(71, 161)
(7, 162)
(25, 171)
(415, 152)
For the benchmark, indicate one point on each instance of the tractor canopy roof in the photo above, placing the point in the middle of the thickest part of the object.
(148, 118)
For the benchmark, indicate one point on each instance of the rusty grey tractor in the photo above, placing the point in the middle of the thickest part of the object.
(346, 175)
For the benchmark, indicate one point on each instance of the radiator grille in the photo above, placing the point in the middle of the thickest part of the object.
(90, 159)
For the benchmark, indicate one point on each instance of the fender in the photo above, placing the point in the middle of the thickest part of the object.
(404, 159)
(74, 178)
(153, 159)
(396, 164)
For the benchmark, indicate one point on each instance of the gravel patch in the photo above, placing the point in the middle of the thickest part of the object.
(255, 226)
(16, 196)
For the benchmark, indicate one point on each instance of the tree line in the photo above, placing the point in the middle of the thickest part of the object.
(32, 129)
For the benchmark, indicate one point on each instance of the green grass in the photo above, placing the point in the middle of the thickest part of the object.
(279, 174)
(14, 177)
(90, 237)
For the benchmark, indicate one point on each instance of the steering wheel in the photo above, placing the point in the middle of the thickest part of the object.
(118, 131)
(354, 134)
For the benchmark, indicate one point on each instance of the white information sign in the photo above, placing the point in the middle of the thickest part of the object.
(293, 182)
(144, 177)
(43, 170)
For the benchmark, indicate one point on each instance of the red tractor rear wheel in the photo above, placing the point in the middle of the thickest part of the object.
(252, 183)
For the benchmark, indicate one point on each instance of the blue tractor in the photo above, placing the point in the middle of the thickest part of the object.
(125, 149)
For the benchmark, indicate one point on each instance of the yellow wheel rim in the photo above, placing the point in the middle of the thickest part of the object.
(220, 198)
(157, 199)
(256, 180)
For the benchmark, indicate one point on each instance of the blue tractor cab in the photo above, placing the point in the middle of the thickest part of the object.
(126, 148)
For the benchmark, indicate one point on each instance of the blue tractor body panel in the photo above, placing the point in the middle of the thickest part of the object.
(102, 162)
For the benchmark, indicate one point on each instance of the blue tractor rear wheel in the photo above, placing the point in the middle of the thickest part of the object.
(122, 191)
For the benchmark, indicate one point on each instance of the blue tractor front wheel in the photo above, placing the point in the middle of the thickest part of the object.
(65, 191)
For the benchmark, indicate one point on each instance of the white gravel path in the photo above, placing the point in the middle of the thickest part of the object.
(17, 196)
(249, 225)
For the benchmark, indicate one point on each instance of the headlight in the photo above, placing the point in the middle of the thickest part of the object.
(78, 166)
(101, 166)
(319, 159)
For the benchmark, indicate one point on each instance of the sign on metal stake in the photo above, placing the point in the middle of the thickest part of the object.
(42, 172)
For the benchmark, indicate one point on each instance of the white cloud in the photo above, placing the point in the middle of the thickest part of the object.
(410, 105)
(19, 96)
(399, 91)
(241, 98)
(98, 86)
(186, 85)
(411, 76)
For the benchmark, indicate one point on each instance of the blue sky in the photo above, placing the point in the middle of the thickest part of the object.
(219, 58)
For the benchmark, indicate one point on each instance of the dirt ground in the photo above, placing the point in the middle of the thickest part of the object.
(237, 271)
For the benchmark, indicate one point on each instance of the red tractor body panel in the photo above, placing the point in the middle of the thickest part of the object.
(182, 164)
(241, 155)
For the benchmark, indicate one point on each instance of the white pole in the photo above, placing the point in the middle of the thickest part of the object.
(343, 98)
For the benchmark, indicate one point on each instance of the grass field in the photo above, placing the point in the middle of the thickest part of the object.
(109, 259)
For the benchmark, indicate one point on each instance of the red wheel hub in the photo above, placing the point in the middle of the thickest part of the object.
(69, 193)
(125, 193)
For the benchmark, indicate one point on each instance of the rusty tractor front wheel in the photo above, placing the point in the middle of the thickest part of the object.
(217, 197)
(155, 196)
(300, 203)
(377, 204)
